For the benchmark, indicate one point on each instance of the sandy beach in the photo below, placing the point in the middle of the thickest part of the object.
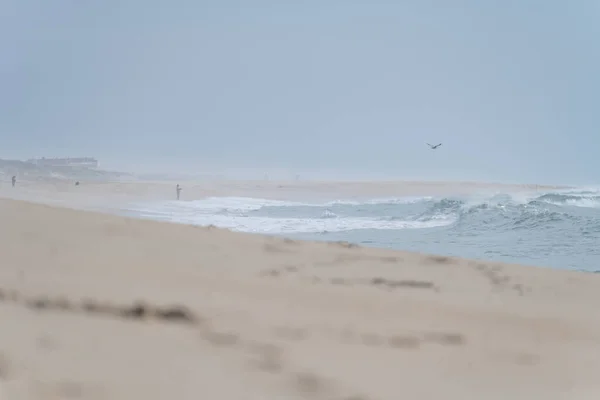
(98, 306)
(62, 191)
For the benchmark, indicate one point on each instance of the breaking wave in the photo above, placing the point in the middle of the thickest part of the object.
(502, 211)
(513, 227)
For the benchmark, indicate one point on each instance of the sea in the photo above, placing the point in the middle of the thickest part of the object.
(558, 228)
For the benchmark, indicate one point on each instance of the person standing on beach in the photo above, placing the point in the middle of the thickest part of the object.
(14, 180)
(178, 188)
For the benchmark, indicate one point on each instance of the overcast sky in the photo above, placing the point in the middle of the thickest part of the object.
(511, 88)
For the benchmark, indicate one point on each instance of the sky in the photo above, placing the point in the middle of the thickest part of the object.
(354, 88)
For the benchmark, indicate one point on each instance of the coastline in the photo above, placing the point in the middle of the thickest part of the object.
(233, 315)
(276, 190)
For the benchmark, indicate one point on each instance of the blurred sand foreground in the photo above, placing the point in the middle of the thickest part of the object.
(96, 306)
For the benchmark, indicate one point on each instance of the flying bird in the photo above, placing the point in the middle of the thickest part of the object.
(433, 147)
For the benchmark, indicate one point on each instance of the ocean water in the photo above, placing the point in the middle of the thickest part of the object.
(559, 229)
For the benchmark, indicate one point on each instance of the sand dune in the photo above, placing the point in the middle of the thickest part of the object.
(102, 307)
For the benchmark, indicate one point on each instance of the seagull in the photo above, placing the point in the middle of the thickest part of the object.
(433, 147)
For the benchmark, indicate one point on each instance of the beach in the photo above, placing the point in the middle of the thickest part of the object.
(100, 306)
(548, 226)
(61, 189)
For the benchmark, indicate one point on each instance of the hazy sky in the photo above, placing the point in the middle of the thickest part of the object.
(512, 88)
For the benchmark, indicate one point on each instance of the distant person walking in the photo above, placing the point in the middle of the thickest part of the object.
(178, 188)
(14, 180)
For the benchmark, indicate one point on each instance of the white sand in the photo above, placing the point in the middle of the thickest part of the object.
(264, 318)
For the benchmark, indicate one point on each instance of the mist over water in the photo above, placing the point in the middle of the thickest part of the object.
(557, 229)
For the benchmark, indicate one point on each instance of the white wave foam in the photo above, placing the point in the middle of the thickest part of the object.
(584, 202)
(594, 190)
(294, 225)
(221, 204)
(382, 200)
(581, 202)
(236, 213)
(498, 199)
(231, 213)
(329, 214)
(585, 197)
(234, 204)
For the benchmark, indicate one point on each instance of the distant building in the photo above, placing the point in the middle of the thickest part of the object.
(87, 162)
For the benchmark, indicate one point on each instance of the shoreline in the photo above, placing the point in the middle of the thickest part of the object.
(123, 199)
(274, 190)
(102, 306)
(129, 215)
